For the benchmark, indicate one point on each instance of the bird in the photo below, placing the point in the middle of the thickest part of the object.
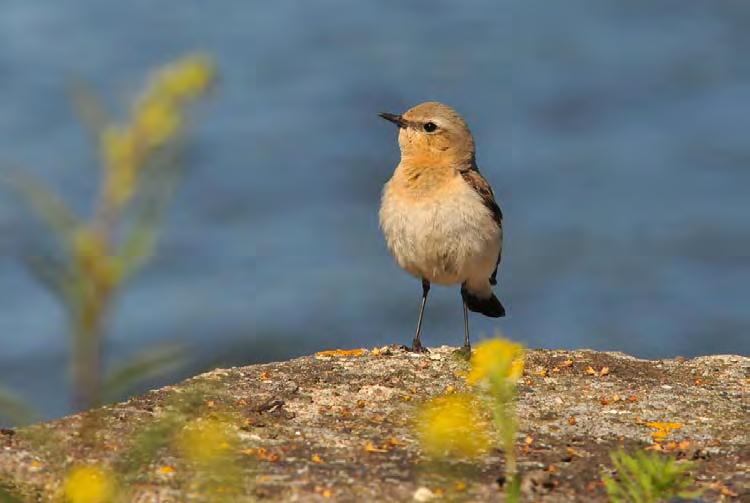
(439, 215)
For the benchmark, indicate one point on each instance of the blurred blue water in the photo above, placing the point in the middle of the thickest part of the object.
(614, 133)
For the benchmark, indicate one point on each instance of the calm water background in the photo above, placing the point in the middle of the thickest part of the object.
(615, 134)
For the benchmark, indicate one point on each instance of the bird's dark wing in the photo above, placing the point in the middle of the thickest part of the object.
(476, 181)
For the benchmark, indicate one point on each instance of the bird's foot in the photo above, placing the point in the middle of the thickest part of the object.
(416, 347)
(463, 352)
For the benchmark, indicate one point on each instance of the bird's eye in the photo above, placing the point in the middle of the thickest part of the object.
(430, 127)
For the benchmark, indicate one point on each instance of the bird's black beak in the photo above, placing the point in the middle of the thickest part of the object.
(396, 119)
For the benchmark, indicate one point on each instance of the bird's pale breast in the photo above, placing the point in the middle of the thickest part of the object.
(445, 236)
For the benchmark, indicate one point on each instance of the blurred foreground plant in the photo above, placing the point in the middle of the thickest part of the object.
(7, 497)
(648, 478)
(451, 425)
(455, 425)
(95, 257)
(496, 366)
(89, 484)
(210, 445)
(193, 431)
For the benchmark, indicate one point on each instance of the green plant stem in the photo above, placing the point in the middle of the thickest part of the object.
(504, 393)
(86, 371)
(508, 431)
(88, 333)
(89, 327)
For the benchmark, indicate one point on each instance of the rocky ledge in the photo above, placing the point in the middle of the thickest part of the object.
(338, 426)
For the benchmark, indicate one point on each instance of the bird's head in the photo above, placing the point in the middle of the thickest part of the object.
(432, 130)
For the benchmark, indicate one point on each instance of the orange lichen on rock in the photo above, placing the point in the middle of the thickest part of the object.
(332, 353)
(662, 430)
(370, 447)
(262, 454)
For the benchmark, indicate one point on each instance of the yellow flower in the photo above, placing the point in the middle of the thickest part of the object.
(118, 145)
(120, 152)
(205, 440)
(516, 369)
(89, 484)
(157, 121)
(496, 359)
(156, 118)
(186, 78)
(451, 425)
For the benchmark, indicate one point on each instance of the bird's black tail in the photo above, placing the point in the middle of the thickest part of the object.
(488, 306)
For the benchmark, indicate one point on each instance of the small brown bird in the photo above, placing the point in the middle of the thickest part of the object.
(438, 213)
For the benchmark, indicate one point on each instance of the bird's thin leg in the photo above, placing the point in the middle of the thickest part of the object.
(467, 344)
(417, 344)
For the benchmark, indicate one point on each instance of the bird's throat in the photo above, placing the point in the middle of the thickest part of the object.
(420, 178)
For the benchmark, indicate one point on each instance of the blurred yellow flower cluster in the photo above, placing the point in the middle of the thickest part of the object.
(206, 441)
(496, 359)
(211, 445)
(100, 260)
(454, 424)
(89, 484)
(94, 255)
(450, 425)
(156, 118)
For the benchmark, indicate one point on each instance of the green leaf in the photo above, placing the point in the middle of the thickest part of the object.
(48, 207)
(614, 491)
(151, 364)
(14, 409)
(52, 273)
(6, 497)
(647, 477)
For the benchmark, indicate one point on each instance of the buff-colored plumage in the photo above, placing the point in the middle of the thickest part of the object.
(438, 213)
(435, 222)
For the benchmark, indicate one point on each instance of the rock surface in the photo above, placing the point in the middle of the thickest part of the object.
(339, 427)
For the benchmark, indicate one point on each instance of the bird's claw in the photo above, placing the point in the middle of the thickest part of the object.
(416, 347)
